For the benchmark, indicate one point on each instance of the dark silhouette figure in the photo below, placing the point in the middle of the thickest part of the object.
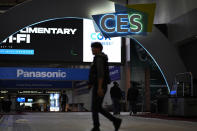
(116, 95)
(132, 96)
(6, 105)
(1, 103)
(98, 80)
(64, 100)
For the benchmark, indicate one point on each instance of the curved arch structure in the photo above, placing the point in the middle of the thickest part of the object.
(162, 51)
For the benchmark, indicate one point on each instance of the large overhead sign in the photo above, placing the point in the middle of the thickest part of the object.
(129, 20)
(53, 40)
(60, 74)
(43, 73)
(65, 39)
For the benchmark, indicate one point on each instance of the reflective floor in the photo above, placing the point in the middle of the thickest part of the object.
(83, 122)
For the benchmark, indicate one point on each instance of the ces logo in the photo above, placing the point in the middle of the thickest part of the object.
(121, 23)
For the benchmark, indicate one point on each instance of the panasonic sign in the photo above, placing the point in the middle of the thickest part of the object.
(62, 74)
(38, 74)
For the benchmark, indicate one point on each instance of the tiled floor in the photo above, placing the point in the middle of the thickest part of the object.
(166, 117)
(83, 122)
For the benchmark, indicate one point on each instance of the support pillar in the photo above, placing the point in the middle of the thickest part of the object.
(147, 90)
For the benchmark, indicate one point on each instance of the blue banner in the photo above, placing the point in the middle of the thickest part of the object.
(43, 74)
(13, 73)
(114, 73)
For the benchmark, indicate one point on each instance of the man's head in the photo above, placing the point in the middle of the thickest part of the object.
(63, 91)
(133, 84)
(96, 48)
(115, 83)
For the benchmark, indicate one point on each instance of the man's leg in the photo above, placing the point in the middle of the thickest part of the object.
(63, 107)
(116, 121)
(130, 108)
(104, 112)
(134, 107)
(116, 106)
(95, 106)
(119, 106)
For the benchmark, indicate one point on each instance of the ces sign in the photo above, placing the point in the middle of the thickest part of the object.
(123, 23)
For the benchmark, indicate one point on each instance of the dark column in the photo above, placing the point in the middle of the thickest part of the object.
(147, 89)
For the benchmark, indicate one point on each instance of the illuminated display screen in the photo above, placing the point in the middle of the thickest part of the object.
(111, 46)
(67, 40)
(54, 102)
(29, 100)
(21, 99)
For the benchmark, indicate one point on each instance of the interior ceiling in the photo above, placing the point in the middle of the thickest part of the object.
(7, 4)
(10, 2)
(166, 10)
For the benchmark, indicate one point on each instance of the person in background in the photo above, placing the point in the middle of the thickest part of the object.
(132, 96)
(3, 105)
(116, 95)
(64, 100)
(98, 80)
(1, 101)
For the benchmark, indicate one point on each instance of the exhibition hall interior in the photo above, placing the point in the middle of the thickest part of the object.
(46, 59)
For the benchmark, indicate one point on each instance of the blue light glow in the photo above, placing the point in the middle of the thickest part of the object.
(21, 99)
(172, 92)
(16, 52)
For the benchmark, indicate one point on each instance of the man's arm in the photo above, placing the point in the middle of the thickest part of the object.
(128, 95)
(100, 75)
(100, 89)
(120, 91)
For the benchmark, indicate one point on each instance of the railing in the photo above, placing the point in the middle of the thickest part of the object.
(183, 85)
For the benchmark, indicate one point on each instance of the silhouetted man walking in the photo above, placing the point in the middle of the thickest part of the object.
(64, 100)
(98, 79)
